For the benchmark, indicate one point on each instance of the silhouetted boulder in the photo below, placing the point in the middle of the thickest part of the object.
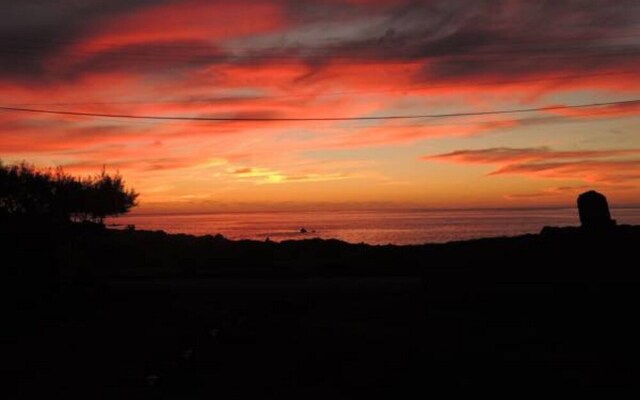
(594, 211)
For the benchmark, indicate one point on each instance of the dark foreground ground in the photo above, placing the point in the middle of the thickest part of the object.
(146, 314)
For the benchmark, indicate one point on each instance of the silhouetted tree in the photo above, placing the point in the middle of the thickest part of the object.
(24, 190)
(54, 195)
(108, 196)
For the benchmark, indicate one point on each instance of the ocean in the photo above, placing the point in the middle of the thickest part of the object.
(368, 226)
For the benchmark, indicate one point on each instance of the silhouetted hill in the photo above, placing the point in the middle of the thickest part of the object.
(154, 313)
(555, 253)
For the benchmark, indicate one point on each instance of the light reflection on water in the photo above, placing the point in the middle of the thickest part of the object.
(374, 227)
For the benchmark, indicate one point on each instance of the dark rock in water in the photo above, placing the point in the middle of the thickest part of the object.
(594, 211)
(303, 230)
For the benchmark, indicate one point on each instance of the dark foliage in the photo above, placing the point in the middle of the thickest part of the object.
(53, 195)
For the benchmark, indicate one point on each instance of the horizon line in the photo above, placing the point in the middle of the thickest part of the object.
(374, 209)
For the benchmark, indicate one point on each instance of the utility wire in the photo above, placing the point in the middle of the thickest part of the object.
(319, 119)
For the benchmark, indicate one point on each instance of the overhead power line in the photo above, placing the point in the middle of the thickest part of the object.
(319, 119)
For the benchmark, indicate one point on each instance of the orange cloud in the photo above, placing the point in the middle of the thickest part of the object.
(270, 176)
(596, 166)
(353, 58)
(610, 171)
(616, 110)
(508, 155)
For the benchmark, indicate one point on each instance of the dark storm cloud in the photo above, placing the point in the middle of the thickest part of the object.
(148, 57)
(31, 30)
(459, 39)
(505, 38)
(455, 39)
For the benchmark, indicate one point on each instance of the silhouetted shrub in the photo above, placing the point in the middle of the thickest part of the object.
(54, 195)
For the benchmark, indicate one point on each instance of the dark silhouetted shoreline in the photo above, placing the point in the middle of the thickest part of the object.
(147, 312)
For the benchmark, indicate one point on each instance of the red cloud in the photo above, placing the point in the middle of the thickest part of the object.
(197, 20)
(609, 171)
(508, 155)
(283, 59)
(394, 134)
(595, 166)
(615, 110)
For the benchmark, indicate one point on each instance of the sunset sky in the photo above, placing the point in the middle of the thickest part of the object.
(269, 61)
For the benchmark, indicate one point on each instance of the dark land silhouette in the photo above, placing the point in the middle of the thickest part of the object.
(149, 314)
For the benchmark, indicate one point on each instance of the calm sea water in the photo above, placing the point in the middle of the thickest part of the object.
(374, 227)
